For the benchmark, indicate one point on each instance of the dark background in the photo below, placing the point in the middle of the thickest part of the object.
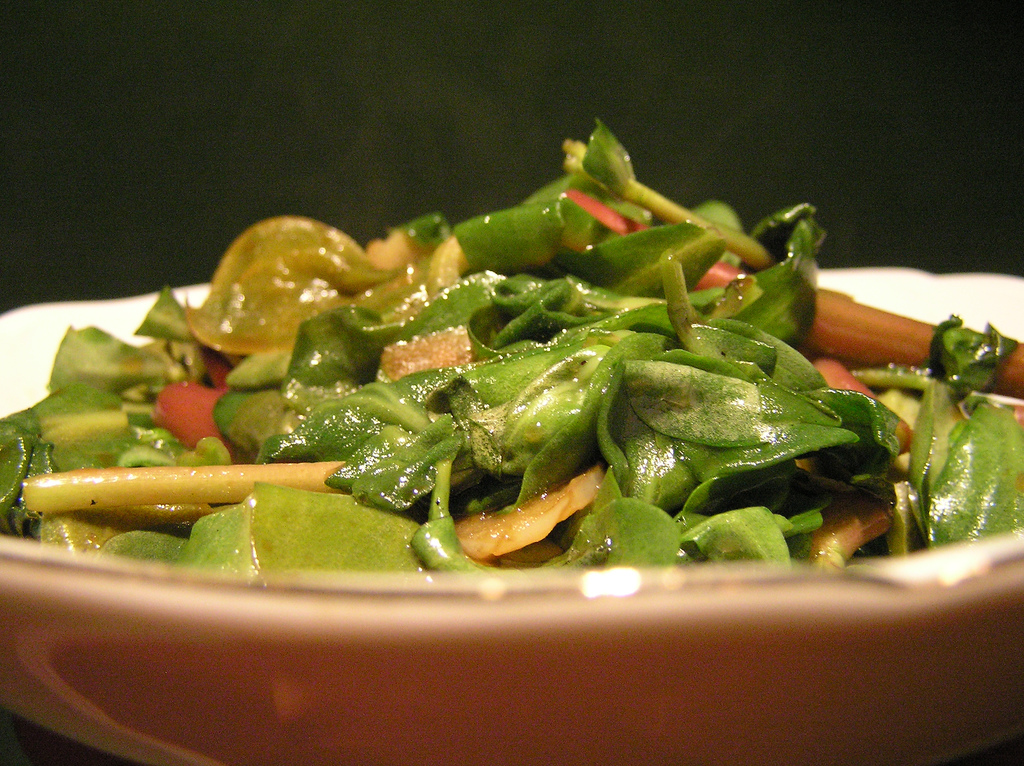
(138, 138)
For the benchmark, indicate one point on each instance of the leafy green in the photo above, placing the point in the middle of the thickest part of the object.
(395, 467)
(165, 319)
(978, 488)
(339, 350)
(744, 533)
(580, 229)
(281, 529)
(511, 240)
(261, 370)
(630, 264)
(146, 545)
(607, 161)
(624, 532)
(780, 299)
(678, 420)
(436, 541)
(966, 359)
(593, 348)
(96, 358)
(428, 230)
(23, 453)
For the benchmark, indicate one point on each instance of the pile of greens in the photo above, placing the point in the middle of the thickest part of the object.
(567, 392)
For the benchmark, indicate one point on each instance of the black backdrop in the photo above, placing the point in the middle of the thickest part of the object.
(138, 138)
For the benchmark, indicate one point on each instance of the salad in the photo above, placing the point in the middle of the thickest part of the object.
(596, 376)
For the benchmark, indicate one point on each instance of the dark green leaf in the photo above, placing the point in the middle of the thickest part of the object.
(631, 264)
(624, 532)
(743, 534)
(428, 230)
(671, 424)
(166, 319)
(336, 352)
(336, 428)
(512, 240)
(606, 160)
(875, 425)
(96, 358)
(394, 468)
(979, 489)
(936, 418)
(581, 230)
(965, 359)
(780, 300)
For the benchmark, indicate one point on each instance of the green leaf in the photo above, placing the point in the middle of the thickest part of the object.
(98, 359)
(572, 445)
(393, 469)
(736, 340)
(979, 489)
(428, 230)
(768, 486)
(166, 319)
(537, 310)
(507, 436)
(262, 370)
(875, 425)
(335, 352)
(146, 545)
(780, 300)
(249, 418)
(336, 428)
(645, 463)
(222, 542)
(512, 240)
(631, 264)
(281, 529)
(965, 359)
(624, 532)
(606, 160)
(581, 230)
(15, 461)
(742, 534)
(339, 350)
(20, 441)
(694, 405)
(936, 418)
(672, 423)
(720, 214)
(437, 546)
(436, 541)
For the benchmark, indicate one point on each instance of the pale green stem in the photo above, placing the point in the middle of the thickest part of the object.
(680, 310)
(442, 486)
(749, 250)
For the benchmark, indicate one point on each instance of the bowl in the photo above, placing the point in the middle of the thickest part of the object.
(910, 661)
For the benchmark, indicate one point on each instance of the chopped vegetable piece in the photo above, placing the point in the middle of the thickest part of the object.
(113, 487)
(276, 274)
(445, 348)
(487, 535)
(852, 520)
(186, 410)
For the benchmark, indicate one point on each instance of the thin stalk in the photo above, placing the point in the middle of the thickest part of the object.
(752, 252)
(87, 488)
(680, 311)
(442, 490)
